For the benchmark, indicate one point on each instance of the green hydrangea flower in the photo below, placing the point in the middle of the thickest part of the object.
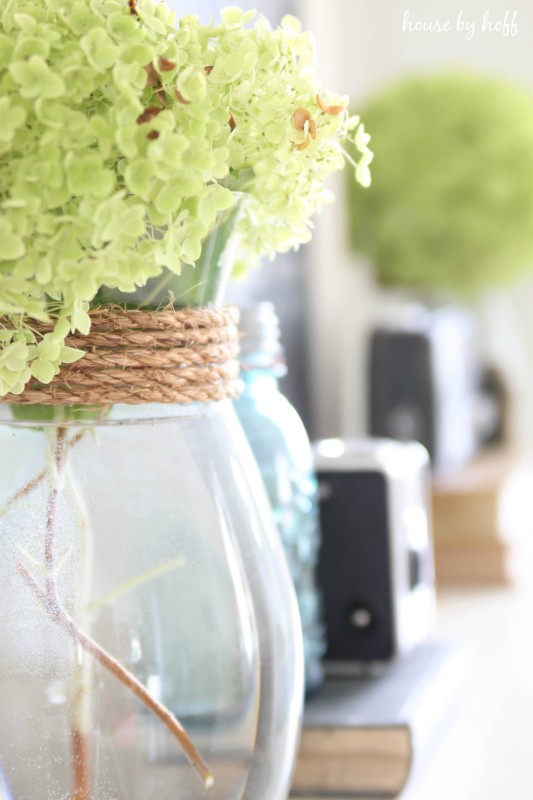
(451, 205)
(35, 78)
(125, 133)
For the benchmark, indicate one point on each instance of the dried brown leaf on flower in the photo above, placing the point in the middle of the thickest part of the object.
(320, 102)
(148, 114)
(161, 96)
(208, 69)
(133, 7)
(300, 117)
(181, 98)
(231, 122)
(165, 65)
(153, 135)
(153, 78)
(333, 110)
(303, 121)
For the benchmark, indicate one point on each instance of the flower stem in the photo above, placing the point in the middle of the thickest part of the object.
(35, 482)
(50, 601)
(134, 583)
(81, 759)
(121, 673)
(51, 512)
(81, 700)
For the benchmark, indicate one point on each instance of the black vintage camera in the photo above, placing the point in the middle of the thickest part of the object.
(424, 380)
(375, 566)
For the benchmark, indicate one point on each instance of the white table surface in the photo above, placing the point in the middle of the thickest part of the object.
(486, 752)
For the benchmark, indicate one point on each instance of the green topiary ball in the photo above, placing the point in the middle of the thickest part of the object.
(451, 203)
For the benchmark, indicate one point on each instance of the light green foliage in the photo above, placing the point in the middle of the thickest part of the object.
(451, 203)
(123, 137)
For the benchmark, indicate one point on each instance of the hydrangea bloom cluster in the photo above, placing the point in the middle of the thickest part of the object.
(122, 139)
(451, 205)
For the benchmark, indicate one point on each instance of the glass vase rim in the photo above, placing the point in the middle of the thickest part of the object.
(119, 414)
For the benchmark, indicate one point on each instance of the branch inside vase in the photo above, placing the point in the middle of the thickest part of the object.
(81, 697)
(50, 601)
(81, 759)
(121, 673)
(56, 476)
(37, 480)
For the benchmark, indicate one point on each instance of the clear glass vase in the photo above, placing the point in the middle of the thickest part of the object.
(147, 533)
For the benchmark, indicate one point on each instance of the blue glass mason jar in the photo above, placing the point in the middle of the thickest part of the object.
(281, 447)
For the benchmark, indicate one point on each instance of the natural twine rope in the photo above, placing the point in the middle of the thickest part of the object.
(168, 356)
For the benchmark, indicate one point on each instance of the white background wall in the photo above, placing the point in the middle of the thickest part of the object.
(362, 47)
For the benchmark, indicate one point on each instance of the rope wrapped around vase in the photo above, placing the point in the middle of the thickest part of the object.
(166, 356)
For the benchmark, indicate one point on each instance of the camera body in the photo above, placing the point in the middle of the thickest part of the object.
(375, 568)
(423, 378)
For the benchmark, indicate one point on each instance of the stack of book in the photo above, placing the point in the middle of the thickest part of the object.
(479, 513)
(363, 736)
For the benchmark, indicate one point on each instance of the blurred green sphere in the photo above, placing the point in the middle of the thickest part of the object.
(451, 202)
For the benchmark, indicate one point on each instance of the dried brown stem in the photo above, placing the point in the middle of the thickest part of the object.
(104, 658)
(51, 512)
(81, 759)
(81, 762)
(35, 482)
(80, 704)
(50, 601)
